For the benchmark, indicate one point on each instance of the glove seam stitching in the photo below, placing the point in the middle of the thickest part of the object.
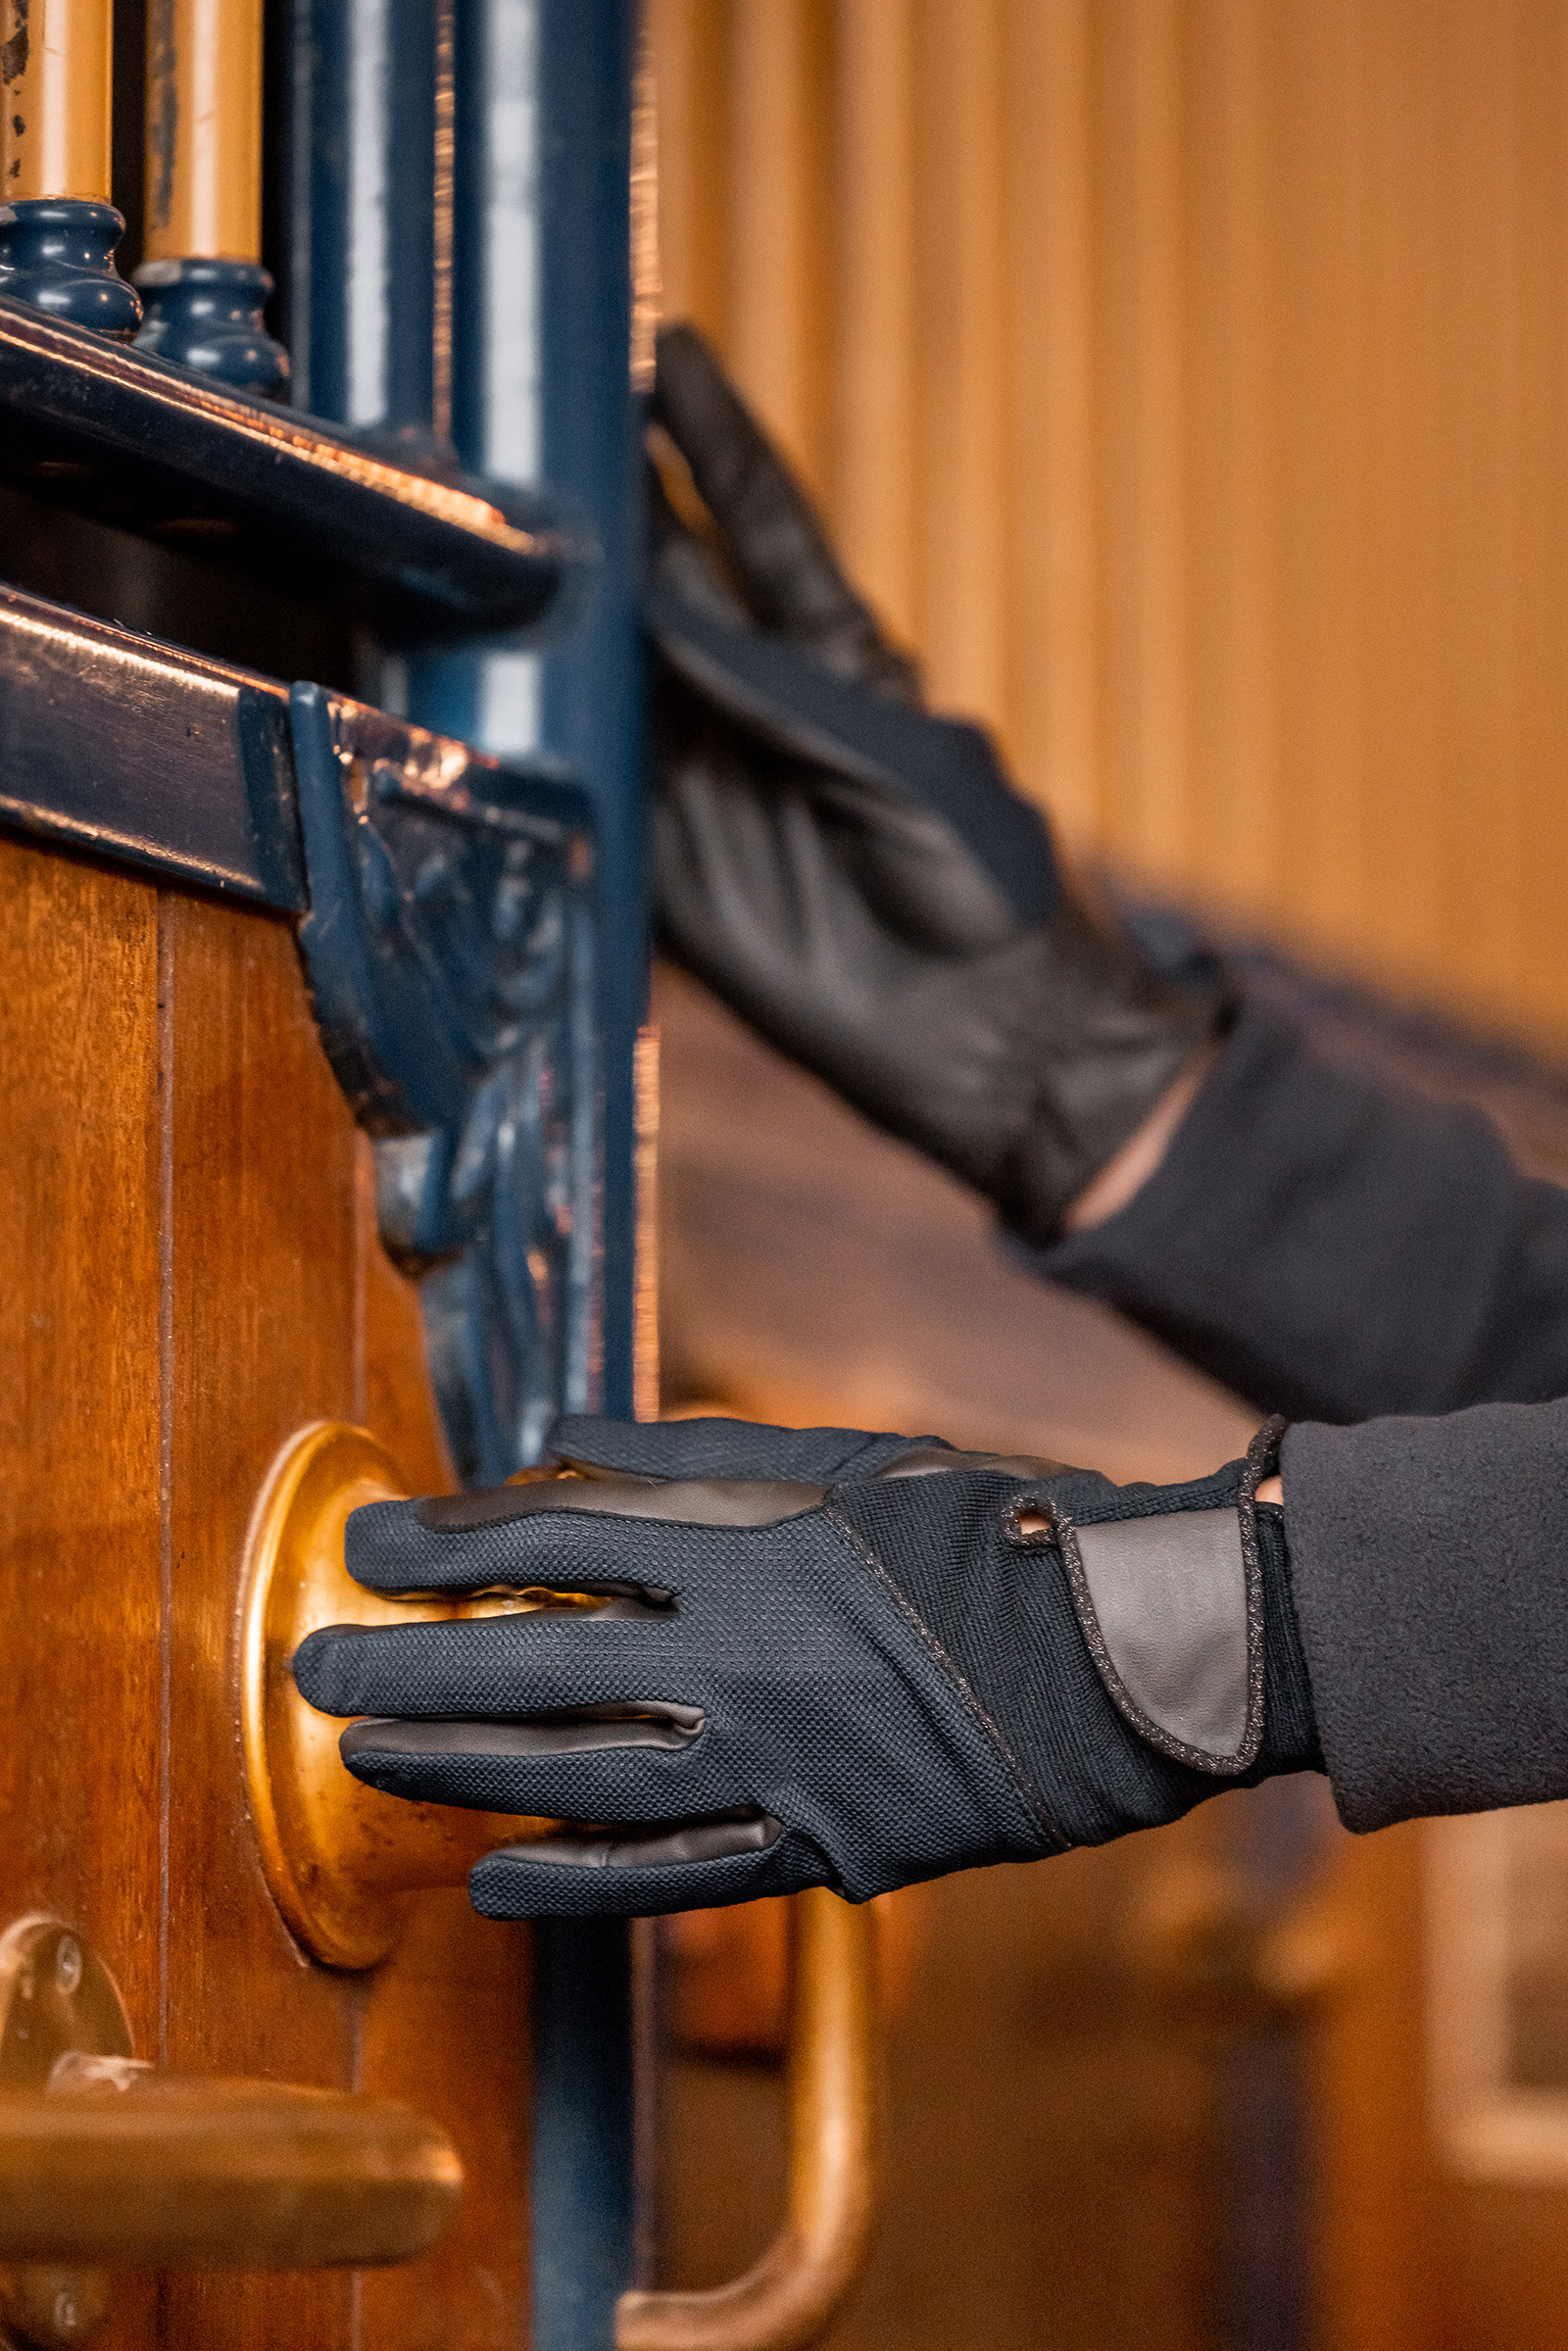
(1023, 1785)
(1262, 1458)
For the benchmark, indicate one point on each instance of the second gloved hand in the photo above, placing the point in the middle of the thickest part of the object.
(854, 874)
(818, 1657)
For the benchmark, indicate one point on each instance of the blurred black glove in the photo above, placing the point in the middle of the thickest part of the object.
(856, 877)
(823, 1659)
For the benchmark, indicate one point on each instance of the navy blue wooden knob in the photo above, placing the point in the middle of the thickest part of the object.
(206, 314)
(58, 253)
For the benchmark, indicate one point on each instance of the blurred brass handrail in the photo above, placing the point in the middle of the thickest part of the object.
(788, 2298)
(162, 2169)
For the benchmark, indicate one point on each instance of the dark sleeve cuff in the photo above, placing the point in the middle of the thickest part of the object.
(1429, 1560)
(1331, 1248)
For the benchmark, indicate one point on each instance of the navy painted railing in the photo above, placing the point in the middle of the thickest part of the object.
(486, 302)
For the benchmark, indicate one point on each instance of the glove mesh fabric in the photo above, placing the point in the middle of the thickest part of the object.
(726, 1449)
(887, 1681)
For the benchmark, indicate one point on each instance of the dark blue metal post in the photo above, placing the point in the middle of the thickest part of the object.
(542, 393)
(539, 299)
(360, 298)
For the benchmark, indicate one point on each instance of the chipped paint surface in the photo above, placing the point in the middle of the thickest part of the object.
(14, 54)
(14, 50)
(55, 67)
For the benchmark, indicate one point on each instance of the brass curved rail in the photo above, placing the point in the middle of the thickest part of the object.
(788, 2298)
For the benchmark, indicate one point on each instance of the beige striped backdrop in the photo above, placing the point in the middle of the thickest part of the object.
(1189, 379)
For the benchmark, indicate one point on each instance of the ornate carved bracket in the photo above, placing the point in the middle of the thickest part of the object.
(449, 949)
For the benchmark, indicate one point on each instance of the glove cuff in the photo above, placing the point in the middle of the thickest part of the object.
(1171, 1603)
(1105, 1053)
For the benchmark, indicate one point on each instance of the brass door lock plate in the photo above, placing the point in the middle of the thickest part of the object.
(59, 2008)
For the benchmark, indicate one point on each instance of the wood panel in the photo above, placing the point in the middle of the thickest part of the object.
(260, 1266)
(1188, 378)
(446, 2018)
(285, 1309)
(81, 1661)
(193, 1274)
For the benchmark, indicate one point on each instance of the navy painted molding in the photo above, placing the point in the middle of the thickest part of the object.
(113, 742)
(449, 951)
(419, 551)
(206, 314)
(58, 253)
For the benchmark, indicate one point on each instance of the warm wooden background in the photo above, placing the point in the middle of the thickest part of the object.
(1188, 378)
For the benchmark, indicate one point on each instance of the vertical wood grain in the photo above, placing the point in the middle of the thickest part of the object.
(1194, 387)
(1237, 386)
(262, 1323)
(79, 1473)
(962, 487)
(1053, 582)
(446, 2018)
(688, 45)
(1540, 77)
(1320, 164)
(193, 1274)
(873, 358)
(283, 1309)
(1145, 391)
(1477, 883)
(447, 2027)
(777, 297)
(1236, 484)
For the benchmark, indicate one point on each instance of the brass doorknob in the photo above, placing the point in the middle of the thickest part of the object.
(106, 2160)
(341, 1859)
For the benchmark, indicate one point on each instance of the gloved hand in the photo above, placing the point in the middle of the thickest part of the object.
(822, 1658)
(855, 876)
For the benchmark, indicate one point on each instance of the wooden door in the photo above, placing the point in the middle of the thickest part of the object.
(193, 1273)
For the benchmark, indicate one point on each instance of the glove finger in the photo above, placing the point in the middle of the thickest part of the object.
(681, 564)
(649, 1766)
(623, 1877)
(724, 1449)
(566, 1533)
(898, 757)
(498, 1667)
(775, 541)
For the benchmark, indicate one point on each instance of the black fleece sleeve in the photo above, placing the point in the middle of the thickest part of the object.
(1429, 1566)
(1333, 1247)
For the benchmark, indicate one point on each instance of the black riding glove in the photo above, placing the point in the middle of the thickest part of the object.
(821, 1658)
(856, 877)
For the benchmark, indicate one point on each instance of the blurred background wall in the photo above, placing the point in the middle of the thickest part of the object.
(1189, 381)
